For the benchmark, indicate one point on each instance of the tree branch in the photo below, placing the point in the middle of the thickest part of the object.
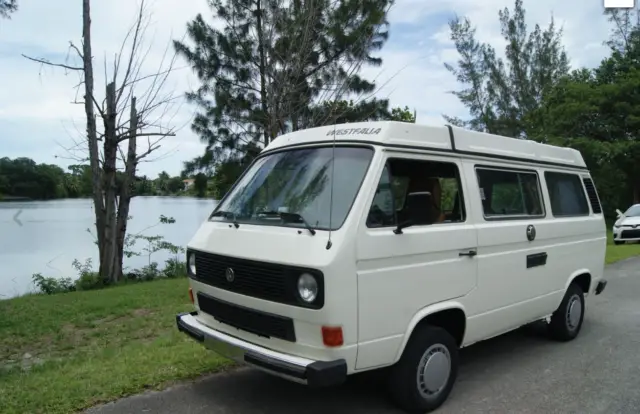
(46, 62)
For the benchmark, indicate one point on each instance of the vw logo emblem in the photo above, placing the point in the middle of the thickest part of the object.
(230, 274)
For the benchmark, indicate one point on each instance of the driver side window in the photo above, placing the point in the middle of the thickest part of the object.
(417, 192)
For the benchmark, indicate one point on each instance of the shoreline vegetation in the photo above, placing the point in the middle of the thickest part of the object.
(22, 179)
(54, 347)
(89, 279)
(11, 199)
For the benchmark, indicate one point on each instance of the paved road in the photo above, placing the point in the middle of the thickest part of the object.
(521, 372)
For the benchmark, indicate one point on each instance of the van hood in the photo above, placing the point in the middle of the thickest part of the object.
(294, 246)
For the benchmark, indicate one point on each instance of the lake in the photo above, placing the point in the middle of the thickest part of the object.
(49, 235)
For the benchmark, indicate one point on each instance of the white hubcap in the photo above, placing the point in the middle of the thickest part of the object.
(574, 312)
(434, 371)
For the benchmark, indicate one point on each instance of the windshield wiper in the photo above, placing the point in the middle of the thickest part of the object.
(290, 217)
(227, 214)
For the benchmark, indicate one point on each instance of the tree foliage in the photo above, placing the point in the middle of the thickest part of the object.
(597, 111)
(278, 66)
(500, 92)
(24, 178)
(532, 94)
(7, 7)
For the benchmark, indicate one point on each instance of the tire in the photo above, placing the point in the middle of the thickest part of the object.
(566, 321)
(429, 346)
(617, 242)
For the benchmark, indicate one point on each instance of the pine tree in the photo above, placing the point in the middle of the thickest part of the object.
(500, 93)
(272, 67)
(7, 7)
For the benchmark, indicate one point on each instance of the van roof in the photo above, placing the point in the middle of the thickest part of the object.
(436, 138)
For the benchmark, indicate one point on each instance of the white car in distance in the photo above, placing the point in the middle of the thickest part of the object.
(627, 227)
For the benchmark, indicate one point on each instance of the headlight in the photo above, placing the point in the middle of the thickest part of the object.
(307, 287)
(192, 264)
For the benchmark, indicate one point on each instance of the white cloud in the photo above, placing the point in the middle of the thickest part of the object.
(36, 113)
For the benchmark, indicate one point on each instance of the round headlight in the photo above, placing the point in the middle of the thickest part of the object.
(192, 263)
(307, 287)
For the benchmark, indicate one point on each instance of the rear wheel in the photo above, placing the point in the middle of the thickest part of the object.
(423, 378)
(566, 321)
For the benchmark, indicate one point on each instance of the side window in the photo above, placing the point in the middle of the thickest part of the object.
(566, 194)
(417, 192)
(507, 193)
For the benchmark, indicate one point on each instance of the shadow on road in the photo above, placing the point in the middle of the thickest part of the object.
(249, 390)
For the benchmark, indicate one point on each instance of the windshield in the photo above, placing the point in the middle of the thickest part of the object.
(297, 182)
(634, 211)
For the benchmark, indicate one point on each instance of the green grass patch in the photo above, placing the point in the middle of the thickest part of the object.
(621, 251)
(63, 353)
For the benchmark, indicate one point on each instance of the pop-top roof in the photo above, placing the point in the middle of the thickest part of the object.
(439, 138)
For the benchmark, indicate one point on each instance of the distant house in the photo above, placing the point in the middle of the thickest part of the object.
(188, 183)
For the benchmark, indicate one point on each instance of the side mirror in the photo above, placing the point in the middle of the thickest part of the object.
(403, 225)
(619, 213)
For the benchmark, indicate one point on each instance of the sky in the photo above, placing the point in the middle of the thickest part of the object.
(38, 118)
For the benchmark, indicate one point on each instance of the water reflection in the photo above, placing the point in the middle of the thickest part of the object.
(46, 236)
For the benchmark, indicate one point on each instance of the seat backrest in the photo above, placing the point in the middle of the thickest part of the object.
(418, 208)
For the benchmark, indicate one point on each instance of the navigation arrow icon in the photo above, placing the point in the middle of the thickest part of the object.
(15, 218)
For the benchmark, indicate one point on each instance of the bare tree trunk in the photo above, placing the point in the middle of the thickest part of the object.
(263, 76)
(125, 191)
(92, 134)
(111, 204)
(107, 262)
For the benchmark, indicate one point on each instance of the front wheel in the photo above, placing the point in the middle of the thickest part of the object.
(617, 242)
(566, 321)
(423, 378)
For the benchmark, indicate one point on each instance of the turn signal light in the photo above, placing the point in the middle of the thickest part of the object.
(332, 336)
(191, 296)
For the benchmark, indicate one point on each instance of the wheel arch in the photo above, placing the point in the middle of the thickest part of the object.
(449, 315)
(583, 278)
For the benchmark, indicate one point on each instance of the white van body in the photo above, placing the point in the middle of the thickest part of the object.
(474, 274)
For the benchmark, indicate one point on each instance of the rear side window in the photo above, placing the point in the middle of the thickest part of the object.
(594, 200)
(566, 194)
(509, 194)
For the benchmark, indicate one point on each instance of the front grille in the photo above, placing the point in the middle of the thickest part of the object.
(259, 323)
(268, 281)
(630, 234)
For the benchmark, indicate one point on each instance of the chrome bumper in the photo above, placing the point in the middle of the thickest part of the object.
(290, 367)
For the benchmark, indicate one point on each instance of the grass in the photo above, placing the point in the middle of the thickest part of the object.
(66, 352)
(620, 252)
(63, 353)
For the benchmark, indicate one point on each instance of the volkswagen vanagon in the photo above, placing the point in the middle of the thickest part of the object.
(355, 247)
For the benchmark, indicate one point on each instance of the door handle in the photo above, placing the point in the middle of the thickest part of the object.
(470, 253)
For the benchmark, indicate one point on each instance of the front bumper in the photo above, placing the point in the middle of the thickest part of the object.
(290, 367)
(624, 234)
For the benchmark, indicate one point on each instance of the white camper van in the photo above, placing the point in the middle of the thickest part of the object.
(360, 246)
